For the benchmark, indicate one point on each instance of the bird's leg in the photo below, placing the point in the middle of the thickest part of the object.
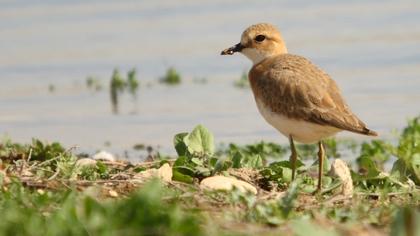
(321, 154)
(293, 156)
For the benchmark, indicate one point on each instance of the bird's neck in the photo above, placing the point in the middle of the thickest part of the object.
(257, 56)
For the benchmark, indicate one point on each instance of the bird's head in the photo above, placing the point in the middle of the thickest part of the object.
(259, 42)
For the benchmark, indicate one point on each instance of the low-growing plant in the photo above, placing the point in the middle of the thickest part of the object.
(93, 83)
(261, 150)
(132, 82)
(195, 155)
(67, 212)
(43, 190)
(117, 86)
(172, 77)
(376, 150)
(408, 153)
(93, 172)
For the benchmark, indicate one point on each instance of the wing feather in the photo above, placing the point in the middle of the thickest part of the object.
(293, 86)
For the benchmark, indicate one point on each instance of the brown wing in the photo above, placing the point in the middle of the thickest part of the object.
(294, 86)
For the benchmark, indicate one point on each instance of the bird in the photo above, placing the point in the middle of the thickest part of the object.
(294, 95)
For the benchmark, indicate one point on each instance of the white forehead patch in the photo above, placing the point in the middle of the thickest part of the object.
(256, 56)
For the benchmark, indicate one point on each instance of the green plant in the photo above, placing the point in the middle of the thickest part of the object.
(132, 82)
(95, 172)
(408, 153)
(265, 150)
(93, 83)
(45, 151)
(376, 150)
(66, 212)
(172, 77)
(117, 86)
(195, 154)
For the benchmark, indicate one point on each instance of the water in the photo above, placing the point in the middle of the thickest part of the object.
(371, 48)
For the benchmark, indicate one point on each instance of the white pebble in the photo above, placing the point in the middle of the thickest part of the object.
(220, 182)
(104, 156)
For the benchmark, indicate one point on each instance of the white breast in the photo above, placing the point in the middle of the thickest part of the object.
(301, 131)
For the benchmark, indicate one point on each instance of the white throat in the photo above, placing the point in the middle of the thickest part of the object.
(256, 56)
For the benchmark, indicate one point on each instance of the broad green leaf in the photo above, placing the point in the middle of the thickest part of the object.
(399, 170)
(237, 160)
(286, 164)
(179, 144)
(286, 174)
(415, 165)
(202, 171)
(255, 162)
(369, 167)
(200, 140)
(181, 161)
(221, 165)
(184, 170)
(197, 161)
(178, 176)
(331, 185)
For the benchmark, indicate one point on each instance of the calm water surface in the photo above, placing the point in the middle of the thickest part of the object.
(371, 48)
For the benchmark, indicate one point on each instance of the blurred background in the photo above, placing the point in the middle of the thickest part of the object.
(58, 58)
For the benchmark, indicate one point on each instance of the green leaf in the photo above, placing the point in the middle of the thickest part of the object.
(237, 160)
(200, 141)
(286, 164)
(280, 172)
(178, 176)
(255, 162)
(221, 164)
(325, 164)
(180, 146)
(368, 167)
(197, 161)
(184, 170)
(377, 150)
(415, 165)
(202, 171)
(181, 161)
(287, 174)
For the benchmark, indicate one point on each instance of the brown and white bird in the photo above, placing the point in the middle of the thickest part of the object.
(292, 94)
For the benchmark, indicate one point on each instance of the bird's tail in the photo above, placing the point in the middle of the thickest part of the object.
(369, 132)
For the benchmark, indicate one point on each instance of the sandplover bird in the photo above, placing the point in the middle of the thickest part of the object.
(292, 94)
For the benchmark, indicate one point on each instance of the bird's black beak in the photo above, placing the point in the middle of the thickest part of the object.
(229, 51)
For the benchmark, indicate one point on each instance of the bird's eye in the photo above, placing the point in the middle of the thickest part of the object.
(260, 38)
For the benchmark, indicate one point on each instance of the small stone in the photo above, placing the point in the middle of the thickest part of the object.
(27, 173)
(104, 156)
(164, 173)
(112, 193)
(145, 175)
(85, 162)
(340, 169)
(220, 182)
